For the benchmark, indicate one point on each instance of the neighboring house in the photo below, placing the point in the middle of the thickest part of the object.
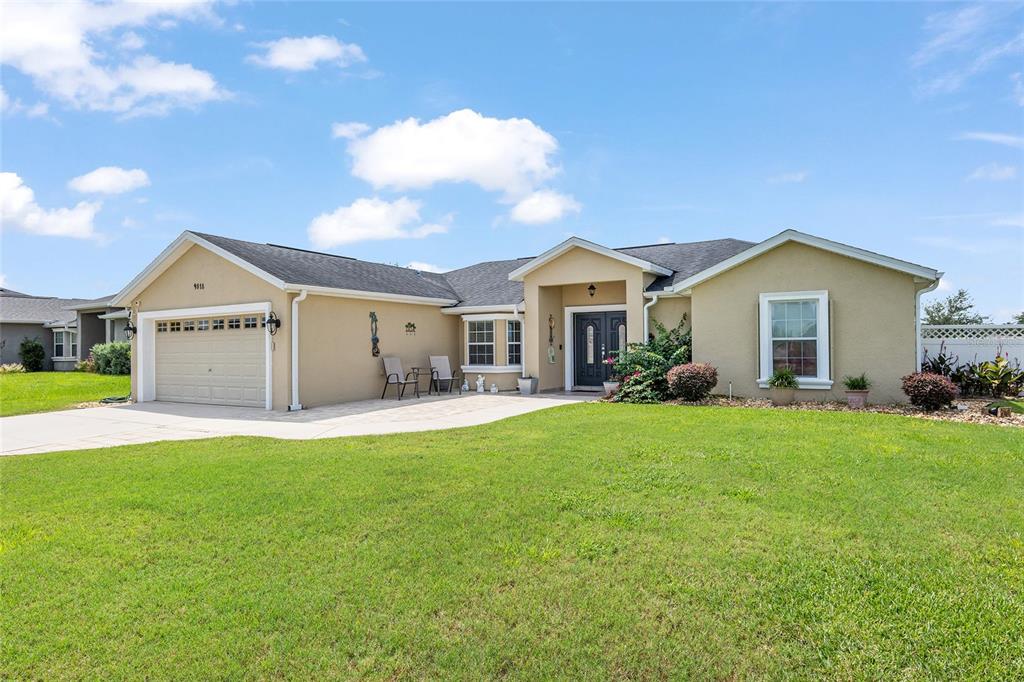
(68, 328)
(45, 318)
(825, 308)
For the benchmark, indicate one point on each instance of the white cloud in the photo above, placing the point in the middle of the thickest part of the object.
(1010, 221)
(16, 106)
(371, 219)
(993, 171)
(348, 131)
(543, 206)
(110, 180)
(63, 48)
(425, 267)
(19, 210)
(502, 155)
(1016, 141)
(131, 41)
(305, 54)
(130, 223)
(788, 178)
(965, 42)
(664, 240)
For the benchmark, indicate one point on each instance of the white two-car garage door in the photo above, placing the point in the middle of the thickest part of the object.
(217, 360)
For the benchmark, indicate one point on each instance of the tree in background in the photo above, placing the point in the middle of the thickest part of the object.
(956, 308)
(1017, 319)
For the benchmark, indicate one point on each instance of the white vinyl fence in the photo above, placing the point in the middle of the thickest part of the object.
(974, 342)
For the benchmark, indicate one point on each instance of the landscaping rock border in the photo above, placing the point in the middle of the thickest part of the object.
(969, 410)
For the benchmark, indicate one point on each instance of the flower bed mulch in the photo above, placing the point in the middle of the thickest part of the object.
(970, 410)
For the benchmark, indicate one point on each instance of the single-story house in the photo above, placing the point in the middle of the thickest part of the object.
(68, 328)
(226, 321)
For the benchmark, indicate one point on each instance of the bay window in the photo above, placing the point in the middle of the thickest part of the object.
(65, 344)
(480, 335)
(514, 342)
(794, 333)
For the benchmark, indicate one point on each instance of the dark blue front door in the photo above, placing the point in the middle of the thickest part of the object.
(595, 337)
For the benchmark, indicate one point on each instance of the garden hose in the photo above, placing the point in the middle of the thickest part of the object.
(116, 399)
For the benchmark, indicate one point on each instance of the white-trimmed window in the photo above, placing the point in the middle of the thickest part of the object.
(176, 326)
(794, 333)
(65, 344)
(161, 327)
(480, 335)
(218, 325)
(202, 325)
(189, 325)
(514, 342)
(250, 323)
(234, 323)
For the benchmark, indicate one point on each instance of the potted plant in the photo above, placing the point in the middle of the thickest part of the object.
(857, 390)
(527, 385)
(612, 384)
(782, 386)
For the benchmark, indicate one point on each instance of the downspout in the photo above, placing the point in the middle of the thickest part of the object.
(296, 405)
(919, 351)
(522, 339)
(647, 316)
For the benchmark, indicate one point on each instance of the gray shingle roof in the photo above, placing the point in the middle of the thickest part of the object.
(296, 266)
(481, 284)
(686, 259)
(487, 283)
(25, 309)
(11, 292)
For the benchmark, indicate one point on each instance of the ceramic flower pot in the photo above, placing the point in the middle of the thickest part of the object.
(610, 387)
(782, 396)
(527, 385)
(857, 399)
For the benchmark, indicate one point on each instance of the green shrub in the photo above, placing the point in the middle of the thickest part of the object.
(643, 366)
(113, 358)
(32, 354)
(857, 383)
(783, 377)
(12, 368)
(930, 391)
(692, 381)
(87, 365)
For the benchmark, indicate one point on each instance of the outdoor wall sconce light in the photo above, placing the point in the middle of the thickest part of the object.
(592, 290)
(130, 329)
(272, 323)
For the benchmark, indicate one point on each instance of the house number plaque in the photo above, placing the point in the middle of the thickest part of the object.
(199, 286)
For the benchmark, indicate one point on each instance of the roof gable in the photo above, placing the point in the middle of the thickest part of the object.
(808, 240)
(576, 243)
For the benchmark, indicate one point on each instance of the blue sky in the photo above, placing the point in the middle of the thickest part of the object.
(477, 132)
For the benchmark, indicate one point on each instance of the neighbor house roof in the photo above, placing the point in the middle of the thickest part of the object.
(36, 309)
(90, 303)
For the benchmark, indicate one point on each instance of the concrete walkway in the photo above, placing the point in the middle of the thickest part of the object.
(98, 427)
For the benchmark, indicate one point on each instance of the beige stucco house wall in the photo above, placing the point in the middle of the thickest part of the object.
(223, 284)
(335, 359)
(872, 319)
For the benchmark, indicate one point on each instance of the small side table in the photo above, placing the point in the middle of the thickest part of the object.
(420, 371)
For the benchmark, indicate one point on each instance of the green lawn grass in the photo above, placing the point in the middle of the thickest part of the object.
(47, 391)
(589, 541)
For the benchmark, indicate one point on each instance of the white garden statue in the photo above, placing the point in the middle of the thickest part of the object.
(479, 383)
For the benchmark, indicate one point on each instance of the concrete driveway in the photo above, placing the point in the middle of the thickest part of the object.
(99, 427)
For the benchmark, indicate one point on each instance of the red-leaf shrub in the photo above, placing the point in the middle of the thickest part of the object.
(930, 391)
(692, 381)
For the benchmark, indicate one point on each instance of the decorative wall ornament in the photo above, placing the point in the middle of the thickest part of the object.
(410, 328)
(374, 339)
(551, 339)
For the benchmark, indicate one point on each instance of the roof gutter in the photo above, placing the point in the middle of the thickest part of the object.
(647, 315)
(295, 404)
(919, 351)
